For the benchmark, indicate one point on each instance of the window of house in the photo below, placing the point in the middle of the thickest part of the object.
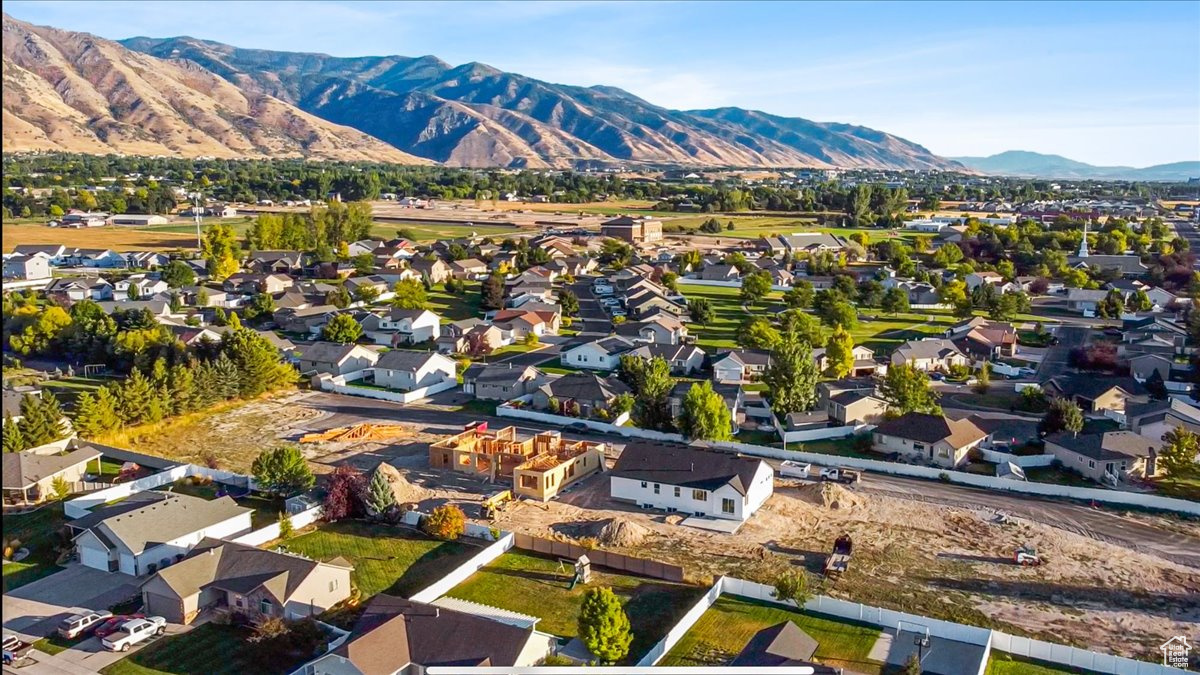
(264, 606)
(727, 505)
(944, 452)
(1091, 464)
(643, 485)
(656, 488)
(528, 481)
(333, 585)
(700, 495)
(918, 446)
(676, 492)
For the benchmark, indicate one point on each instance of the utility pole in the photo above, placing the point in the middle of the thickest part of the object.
(197, 209)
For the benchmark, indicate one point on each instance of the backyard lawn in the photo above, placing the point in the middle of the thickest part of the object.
(207, 648)
(455, 307)
(728, 314)
(266, 509)
(67, 389)
(1005, 664)
(1185, 487)
(36, 531)
(841, 447)
(723, 631)
(387, 559)
(534, 585)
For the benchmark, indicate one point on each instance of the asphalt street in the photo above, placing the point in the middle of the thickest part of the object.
(1189, 231)
(1101, 523)
(1055, 360)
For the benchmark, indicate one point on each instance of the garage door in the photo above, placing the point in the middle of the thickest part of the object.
(94, 558)
(169, 608)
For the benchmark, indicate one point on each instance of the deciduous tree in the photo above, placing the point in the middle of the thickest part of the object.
(700, 310)
(791, 378)
(409, 294)
(906, 389)
(839, 353)
(342, 329)
(446, 522)
(755, 287)
(1063, 415)
(345, 495)
(705, 415)
(1178, 454)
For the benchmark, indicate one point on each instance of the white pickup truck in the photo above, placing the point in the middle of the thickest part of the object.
(132, 632)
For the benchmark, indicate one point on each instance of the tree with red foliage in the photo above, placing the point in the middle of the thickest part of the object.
(345, 494)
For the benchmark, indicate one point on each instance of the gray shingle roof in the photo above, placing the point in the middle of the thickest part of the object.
(22, 469)
(686, 467)
(404, 359)
(1106, 446)
(169, 519)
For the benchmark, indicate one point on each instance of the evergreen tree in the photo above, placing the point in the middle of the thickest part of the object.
(207, 386)
(226, 378)
(134, 397)
(41, 420)
(380, 497)
(791, 378)
(13, 441)
(604, 626)
(282, 471)
(258, 363)
(182, 382)
(94, 416)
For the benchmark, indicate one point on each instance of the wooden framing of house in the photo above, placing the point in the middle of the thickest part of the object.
(539, 466)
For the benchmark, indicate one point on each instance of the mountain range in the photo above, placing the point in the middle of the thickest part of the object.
(1033, 164)
(74, 91)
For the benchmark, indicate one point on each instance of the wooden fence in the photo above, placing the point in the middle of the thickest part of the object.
(602, 558)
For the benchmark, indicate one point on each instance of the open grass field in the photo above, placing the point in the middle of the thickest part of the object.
(609, 208)
(207, 648)
(36, 531)
(721, 332)
(723, 631)
(753, 227)
(386, 559)
(531, 584)
(423, 232)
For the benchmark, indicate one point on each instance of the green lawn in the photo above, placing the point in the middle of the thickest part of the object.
(37, 531)
(455, 307)
(723, 631)
(386, 559)
(516, 348)
(556, 367)
(728, 314)
(1186, 487)
(841, 447)
(1007, 664)
(433, 231)
(479, 407)
(67, 389)
(531, 584)
(266, 509)
(753, 227)
(207, 648)
(1057, 475)
(886, 332)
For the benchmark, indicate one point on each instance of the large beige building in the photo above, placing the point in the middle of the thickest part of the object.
(539, 467)
(633, 230)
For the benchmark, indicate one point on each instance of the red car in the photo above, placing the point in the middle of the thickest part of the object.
(109, 627)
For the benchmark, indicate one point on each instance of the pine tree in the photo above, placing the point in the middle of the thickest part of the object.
(13, 441)
(134, 397)
(282, 471)
(604, 626)
(53, 414)
(258, 363)
(41, 420)
(206, 386)
(380, 497)
(182, 382)
(86, 420)
(227, 379)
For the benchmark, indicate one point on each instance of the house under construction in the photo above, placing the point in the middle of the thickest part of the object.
(538, 467)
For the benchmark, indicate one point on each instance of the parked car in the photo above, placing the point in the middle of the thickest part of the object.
(80, 624)
(578, 426)
(111, 625)
(937, 377)
(132, 632)
(840, 475)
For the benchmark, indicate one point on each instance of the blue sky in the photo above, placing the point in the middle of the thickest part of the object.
(1100, 82)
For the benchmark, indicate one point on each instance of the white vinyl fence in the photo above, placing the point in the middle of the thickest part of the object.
(80, 506)
(271, 532)
(464, 571)
(823, 433)
(681, 628)
(339, 385)
(1023, 461)
(1075, 657)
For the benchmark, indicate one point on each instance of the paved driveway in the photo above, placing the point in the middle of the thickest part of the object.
(35, 609)
(1054, 362)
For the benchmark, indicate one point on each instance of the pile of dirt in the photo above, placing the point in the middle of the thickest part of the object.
(405, 492)
(622, 532)
(831, 496)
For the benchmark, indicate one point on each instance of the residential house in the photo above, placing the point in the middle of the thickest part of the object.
(331, 358)
(602, 354)
(518, 325)
(69, 290)
(634, 230)
(851, 408)
(102, 258)
(1095, 393)
(27, 267)
(159, 533)
(1085, 301)
(245, 580)
(646, 303)
(684, 359)
(1155, 419)
(411, 326)
(1106, 457)
(702, 483)
(984, 340)
(929, 354)
(501, 381)
(404, 370)
(1166, 330)
(57, 253)
(661, 329)
(252, 283)
(278, 262)
(484, 338)
(304, 320)
(1144, 366)
(740, 365)
(29, 475)
(146, 260)
(469, 268)
(935, 439)
(382, 289)
(720, 273)
(396, 636)
(587, 391)
(145, 287)
(437, 271)
(864, 361)
(783, 644)
(977, 279)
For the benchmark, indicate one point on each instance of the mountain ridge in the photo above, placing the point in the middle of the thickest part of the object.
(1040, 165)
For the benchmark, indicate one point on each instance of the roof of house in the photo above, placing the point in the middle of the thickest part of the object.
(1091, 387)
(405, 359)
(23, 469)
(1086, 295)
(928, 428)
(394, 632)
(747, 357)
(166, 520)
(1105, 446)
(613, 344)
(239, 568)
(685, 466)
(497, 373)
(783, 644)
(585, 387)
(1172, 405)
(327, 352)
(934, 348)
(667, 352)
(398, 313)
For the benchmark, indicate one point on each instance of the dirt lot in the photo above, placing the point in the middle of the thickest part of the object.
(116, 238)
(924, 558)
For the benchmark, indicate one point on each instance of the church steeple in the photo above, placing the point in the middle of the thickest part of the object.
(1083, 249)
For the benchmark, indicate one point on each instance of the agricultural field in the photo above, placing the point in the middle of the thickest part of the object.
(753, 227)
(537, 586)
(115, 238)
(723, 631)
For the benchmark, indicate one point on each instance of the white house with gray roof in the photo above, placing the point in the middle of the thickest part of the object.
(158, 534)
(404, 370)
(602, 354)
